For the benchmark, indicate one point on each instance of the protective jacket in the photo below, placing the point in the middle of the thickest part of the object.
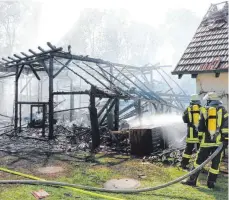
(191, 117)
(213, 126)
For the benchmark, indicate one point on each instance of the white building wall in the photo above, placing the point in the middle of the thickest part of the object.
(208, 83)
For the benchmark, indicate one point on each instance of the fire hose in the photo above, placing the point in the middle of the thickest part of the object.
(124, 191)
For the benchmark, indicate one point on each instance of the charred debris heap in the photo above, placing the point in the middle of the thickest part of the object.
(111, 81)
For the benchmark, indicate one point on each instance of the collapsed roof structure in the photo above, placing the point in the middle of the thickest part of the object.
(111, 81)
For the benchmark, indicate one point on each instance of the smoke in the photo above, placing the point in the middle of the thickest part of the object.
(152, 121)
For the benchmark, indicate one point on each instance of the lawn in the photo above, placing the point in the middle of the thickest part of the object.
(105, 167)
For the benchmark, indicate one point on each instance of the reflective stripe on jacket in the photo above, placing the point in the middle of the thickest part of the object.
(222, 128)
(192, 133)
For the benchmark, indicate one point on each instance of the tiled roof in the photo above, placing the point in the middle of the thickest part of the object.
(208, 50)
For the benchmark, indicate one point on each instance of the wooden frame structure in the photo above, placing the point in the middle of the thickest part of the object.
(115, 89)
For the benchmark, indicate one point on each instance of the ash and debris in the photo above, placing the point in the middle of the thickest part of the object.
(69, 139)
(169, 156)
(31, 140)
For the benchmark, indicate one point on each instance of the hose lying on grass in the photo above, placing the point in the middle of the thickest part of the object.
(124, 191)
(69, 188)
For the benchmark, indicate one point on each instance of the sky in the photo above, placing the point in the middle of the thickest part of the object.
(58, 16)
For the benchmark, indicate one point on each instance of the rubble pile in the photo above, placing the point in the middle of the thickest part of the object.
(31, 140)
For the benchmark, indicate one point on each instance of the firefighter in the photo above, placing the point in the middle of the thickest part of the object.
(213, 126)
(191, 118)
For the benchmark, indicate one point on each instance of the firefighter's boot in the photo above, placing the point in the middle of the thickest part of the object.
(211, 180)
(211, 184)
(184, 163)
(191, 180)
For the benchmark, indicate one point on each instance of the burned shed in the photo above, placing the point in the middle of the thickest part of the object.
(115, 92)
(206, 57)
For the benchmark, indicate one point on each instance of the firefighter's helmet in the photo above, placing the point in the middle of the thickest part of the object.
(195, 99)
(211, 96)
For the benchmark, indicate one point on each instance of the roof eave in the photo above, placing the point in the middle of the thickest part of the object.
(200, 72)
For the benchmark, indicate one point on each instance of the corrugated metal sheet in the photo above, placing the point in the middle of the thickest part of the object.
(208, 49)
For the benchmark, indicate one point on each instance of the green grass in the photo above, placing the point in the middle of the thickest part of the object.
(107, 167)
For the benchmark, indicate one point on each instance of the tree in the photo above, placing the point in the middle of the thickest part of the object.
(111, 35)
(12, 14)
(9, 18)
(178, 29)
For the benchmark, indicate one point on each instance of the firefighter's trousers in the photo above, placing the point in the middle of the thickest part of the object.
(203, 154)
(188, 153)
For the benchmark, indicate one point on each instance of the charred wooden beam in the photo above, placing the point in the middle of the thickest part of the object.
(153, 94)
(19, 73)
(6, 60)
(42, 63)
(60, 70)
(92, 76)
(33, 56)
(16, 56)
(44, 119)
(33, 52)
(11, 58)
(51, 46)
(27, 83)
(32, 102)
(94, 120)
(16, 103)
(104, 107)
(71, 93)
(177, 100)
(34, 72)
(20, 118)
(57, 111)
(116, 115)
(51, 109)
(99, 61)
(126, 108)
(24, 54)
(28, 62)
(41, 49)
(108, 110)
(110, 81)
(115, 78)
(6, 76)
(86, 81)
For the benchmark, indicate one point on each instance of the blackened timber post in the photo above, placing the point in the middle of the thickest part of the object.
(116, 115)
(20, 118)
(104, 107)
(108, 110)
(51, 114)
(110, 119)
(94, 120)
(16, 102)
(44, 119)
